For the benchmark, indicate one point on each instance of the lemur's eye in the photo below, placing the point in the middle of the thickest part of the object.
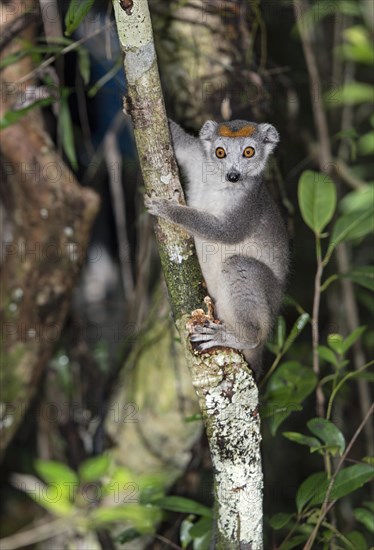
(248, 152)
(220, 153)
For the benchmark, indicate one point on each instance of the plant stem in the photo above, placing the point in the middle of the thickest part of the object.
(315, 329)
(272, 369)
(342, 381)
(37, 534)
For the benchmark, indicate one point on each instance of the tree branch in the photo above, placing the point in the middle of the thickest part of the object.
(224, 384)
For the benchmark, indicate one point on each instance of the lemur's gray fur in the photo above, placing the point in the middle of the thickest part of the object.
(240, 237)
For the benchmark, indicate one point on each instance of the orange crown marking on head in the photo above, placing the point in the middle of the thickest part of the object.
(246, 131)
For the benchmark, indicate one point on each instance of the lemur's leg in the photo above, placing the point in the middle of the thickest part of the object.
(248, 301)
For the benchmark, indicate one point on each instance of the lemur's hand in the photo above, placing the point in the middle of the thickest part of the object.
(155, 205)
(161, 207)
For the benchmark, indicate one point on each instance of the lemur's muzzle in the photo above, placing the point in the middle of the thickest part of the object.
(233, 176)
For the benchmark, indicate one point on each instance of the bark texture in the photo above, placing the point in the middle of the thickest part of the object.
(49, 217)
(226, 391)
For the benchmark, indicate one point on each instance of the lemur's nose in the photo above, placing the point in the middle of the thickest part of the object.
(233, 176)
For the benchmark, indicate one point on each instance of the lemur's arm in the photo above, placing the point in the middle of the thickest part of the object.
(197, 222)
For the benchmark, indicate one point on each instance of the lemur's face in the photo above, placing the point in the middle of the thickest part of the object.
(238, 149)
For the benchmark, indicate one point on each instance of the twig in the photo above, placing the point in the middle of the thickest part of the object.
(340, 384)
(83, 112)
(114, 164)
(167, 541)
(342, 170)
(325, 155)
(352, 320)
(342, 257)
(40, 68)
(325, 506)
(52, 25)
(37, 534)
(325, 161)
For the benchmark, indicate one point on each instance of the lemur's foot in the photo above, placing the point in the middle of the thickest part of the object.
(208, 335)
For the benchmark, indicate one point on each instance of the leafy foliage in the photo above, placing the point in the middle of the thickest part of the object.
(101, 494)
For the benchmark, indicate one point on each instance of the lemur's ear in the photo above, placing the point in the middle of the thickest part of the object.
(269, 134)
(208, 129)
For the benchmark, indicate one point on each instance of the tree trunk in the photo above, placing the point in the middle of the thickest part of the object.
(224, 384)
(49, 221)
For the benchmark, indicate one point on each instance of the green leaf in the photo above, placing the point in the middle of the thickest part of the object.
(52, 500)
(294, 542)
(32, 50)
(201, 527)
(105, 78)
(317, 199)
(360, 54)
(352, 93)
(302, 439)
(55, 472)
(287, 388)
(184, 532)
(11, 117)
(153, 481)
(296, 330)
(52, 497)
(12, 58)
(357, 540)
(193, 418)
(184, 505)
(84, 64)
(94, 468)
(365, 517)
(328, 355)
(350, 479)
(319, 11)
(359, 48)
(77, 11)
(59, 475)
(66, 131)
(202, 543)
(354, 336)
(360, 200)
(366, 143)
(351, 226)
(369, 505)
(363, 276)
(143, 518)
(280, 520)
(335, 341)
(347, 480)
(128, 535)
(328, 433)
(312, 487)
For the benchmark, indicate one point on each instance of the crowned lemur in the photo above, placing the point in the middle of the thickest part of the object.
(240, 237)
